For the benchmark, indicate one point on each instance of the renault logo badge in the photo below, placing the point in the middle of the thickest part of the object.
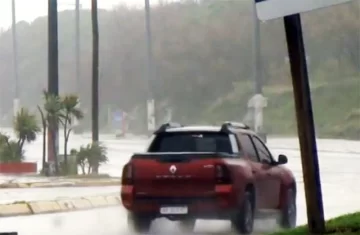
(172, 169)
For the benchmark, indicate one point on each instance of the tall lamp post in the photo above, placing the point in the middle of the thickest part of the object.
(78, 7)
(149, 70)
(95, 72)
(16, 101)
(258, 102)
(257, 66)
(77, 44)
(53, 76)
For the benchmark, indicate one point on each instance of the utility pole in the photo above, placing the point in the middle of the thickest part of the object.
(53, 76)
(257, 66)
(258, 102)
(305, 124)
(16, 101)
(149, 71)
(95, 72)
(358, 38)
(77, 42)
(77, 58)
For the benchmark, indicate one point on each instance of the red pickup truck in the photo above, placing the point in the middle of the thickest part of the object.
(207, 172)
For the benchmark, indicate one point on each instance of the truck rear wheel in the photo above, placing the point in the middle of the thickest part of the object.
(243, 221)
(187, 225)
(138, 223)
(289, 211)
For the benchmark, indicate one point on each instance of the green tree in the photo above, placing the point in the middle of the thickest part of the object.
(71, 111)
(97, 156)
(54, 114)
(90, 156)
(26, 127)
(81, 157)
(10, 150)
(201, 50)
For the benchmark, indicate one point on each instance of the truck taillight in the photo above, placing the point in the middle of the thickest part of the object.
(223, 175)
(128, 175)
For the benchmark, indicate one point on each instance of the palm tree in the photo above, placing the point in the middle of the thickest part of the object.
(71, 110)
(10, 150)
(97, 155)
(54, 114)
(25, 127)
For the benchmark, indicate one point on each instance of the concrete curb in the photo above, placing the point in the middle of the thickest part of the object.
(88, 183)
(59, 205)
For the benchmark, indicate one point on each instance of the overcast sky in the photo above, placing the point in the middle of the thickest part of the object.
(30, 9)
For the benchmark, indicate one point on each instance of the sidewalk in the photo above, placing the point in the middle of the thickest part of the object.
(12, 195)
(56, 205)
(13, 181)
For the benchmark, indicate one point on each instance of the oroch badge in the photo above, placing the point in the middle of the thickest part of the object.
(172, 169)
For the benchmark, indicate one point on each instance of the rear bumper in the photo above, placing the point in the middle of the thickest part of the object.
(218, 204)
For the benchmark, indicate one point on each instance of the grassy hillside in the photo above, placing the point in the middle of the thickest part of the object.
(336, 108)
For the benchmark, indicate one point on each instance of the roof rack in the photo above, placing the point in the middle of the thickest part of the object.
(168, 125)
(235, 125)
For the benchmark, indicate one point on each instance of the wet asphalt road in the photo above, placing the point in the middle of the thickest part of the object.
(339, 164)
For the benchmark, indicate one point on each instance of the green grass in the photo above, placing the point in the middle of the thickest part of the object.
(344, 225)
(336, 107)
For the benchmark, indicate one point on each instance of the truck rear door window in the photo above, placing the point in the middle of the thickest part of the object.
(191, 142)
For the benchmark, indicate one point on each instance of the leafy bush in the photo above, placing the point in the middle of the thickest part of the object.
(10, 151)
(26, 129)
(90, 157)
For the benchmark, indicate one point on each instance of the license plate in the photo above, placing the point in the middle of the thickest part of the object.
(174, 210)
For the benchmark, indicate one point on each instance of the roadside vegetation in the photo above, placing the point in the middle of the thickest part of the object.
(339, 120)
(344, 225)
(203, 62)
(26, 129)
(55, 110)
(64, 110)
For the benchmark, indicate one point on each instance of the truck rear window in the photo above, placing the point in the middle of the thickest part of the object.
(191, 142)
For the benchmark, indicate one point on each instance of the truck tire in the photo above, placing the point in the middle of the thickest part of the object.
(139, 224)
(289, 210)
(187, 225)
(243, 221)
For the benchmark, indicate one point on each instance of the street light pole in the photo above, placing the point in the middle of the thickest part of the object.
(16, 101)
(77, 42)
(53, 76)
(150, 70)
(257, 66)
(258, 102)
(95, 72)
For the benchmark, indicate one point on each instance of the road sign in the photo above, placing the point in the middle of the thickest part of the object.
(272, 9)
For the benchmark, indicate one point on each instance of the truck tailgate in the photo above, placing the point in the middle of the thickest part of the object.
(174, 175)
